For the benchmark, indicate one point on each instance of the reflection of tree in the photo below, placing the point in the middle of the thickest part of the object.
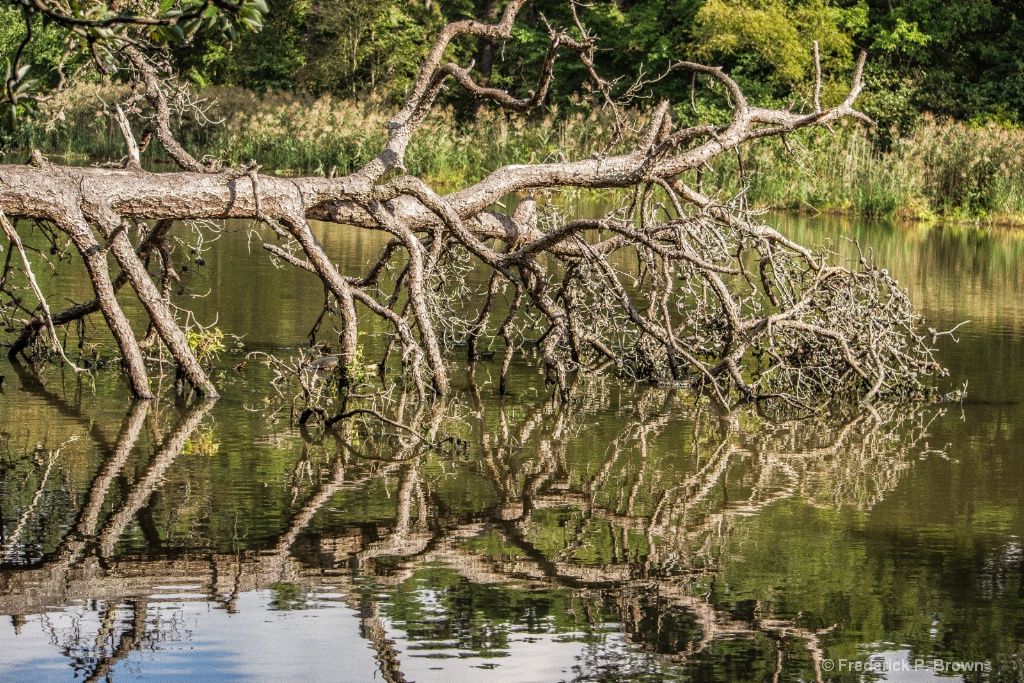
(76, 541)
(661, 521)
(143, 488)
(664, 526)
(74, 561)
(632, 518)
(129, 640)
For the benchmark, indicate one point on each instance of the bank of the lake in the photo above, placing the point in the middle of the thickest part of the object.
(944, 171)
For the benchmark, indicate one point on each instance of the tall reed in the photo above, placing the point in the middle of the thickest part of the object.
(295, 133)
(943, 169)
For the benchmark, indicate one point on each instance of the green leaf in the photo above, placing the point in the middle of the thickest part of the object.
(177, 33)
(25, 86)
(191, 25)
(168, 34)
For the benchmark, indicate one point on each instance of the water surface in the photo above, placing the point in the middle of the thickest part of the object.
(635, 534)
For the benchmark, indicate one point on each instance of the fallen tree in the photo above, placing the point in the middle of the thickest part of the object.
(676, 285)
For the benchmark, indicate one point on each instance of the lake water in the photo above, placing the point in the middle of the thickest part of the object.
(635, 534)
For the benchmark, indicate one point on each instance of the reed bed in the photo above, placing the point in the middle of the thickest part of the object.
(945, 169)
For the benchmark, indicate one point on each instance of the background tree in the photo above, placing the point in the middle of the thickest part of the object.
(959, 60)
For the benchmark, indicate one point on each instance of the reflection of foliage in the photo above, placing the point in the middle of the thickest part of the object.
(287, 596)
(203, 442)
(667, 539)
(440, 606)
(1008, 668)
(491, 544)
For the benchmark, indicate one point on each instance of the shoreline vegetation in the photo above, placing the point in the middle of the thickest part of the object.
(945, 170)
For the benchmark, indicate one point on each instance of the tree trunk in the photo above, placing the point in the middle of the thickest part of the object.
(96, 264)
(159, 311)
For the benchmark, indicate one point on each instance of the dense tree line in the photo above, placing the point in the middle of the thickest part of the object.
(960, 60)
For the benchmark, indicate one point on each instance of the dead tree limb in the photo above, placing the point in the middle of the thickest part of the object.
(717, 301)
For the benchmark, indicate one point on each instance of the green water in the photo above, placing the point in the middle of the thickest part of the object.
(633, 535)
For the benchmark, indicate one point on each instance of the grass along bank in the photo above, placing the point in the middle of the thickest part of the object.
(945, 170)
(290, 133)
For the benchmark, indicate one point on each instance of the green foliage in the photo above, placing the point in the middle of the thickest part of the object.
(904, 38)
(492, 544)
(38, 65)
(360, 370)
(951, 59)
(957, 59)
(264, 56)
(206, 344)
(336, 46)
(962, 58)
(773, 39)
(42, 43)
(358, 44)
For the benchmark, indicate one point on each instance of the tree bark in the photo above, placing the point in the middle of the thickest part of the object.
(96, 264)
(158, 310)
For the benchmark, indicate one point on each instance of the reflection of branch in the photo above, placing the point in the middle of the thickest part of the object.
(130, 640)
(273, 563)
(144, 487)
(75, 542)
(405, 539)
(810, 639)
(31, 384)
(301, 520)
(29, 586)
(12, 540)
(372, 628)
